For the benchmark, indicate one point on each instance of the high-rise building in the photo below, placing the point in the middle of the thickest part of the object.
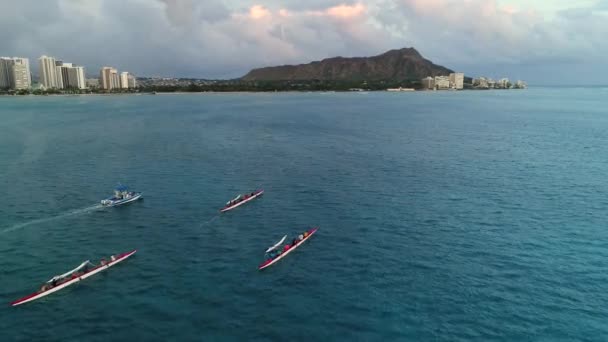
(108, 78)
(48, 73)
(504, 83)
(75, 77)
(442, 82)
(104, 78)
(22, 78)
(59, 77)
(114, 79)
(70, 76)
(124, 80)
(6, 65)
(481, 83)
(62, 74)
(428, 83)
(21, 74)
(15, 73)
(457, 80)
(81, 81)
(132, 82)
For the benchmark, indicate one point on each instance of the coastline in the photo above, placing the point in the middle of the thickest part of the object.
(252, 92)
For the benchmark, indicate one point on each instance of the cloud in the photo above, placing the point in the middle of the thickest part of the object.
(258, 12)
(346, 11)
(215, 38)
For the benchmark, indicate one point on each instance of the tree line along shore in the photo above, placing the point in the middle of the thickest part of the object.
(243, 86)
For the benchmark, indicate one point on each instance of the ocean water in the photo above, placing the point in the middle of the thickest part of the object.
(447, 216)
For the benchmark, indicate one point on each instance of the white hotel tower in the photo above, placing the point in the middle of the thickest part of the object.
(48, 73)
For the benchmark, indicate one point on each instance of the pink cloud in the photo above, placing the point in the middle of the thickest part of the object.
(346, 11)
(339, 12)
(284, 13)
(258, 12)
(425, 6)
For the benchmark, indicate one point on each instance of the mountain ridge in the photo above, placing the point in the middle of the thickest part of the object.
(397, 65)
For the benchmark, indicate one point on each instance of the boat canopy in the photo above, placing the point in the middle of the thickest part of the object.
(121, 188)
(270, 249)
(67, 274)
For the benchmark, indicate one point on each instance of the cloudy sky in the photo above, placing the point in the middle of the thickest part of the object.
(542, 41)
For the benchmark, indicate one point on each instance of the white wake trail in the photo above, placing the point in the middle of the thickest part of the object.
(209, 221)
(52, 218)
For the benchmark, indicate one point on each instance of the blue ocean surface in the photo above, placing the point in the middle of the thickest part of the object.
(444, 216)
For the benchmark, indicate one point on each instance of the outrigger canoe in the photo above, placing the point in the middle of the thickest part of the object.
(270, 262)
(66, 283)
(240, 200)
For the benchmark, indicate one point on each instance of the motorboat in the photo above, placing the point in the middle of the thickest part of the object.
(122, 195)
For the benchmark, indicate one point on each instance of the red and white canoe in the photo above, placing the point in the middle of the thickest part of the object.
(249, 197)
(69, 282)
(271, 262)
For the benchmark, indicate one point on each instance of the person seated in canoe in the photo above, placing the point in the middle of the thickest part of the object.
(103, 262)
(301, 237)
(305, 233)
(113, 258)
(273, 254)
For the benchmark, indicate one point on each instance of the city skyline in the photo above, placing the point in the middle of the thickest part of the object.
(548, 42)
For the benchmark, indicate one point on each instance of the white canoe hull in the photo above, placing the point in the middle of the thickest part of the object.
(72, 281)
(264, 265)
(260, 193)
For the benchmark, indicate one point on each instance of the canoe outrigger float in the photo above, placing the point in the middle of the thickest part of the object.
(241, 199)
(273, 255)
(122, 195)
(72, 277)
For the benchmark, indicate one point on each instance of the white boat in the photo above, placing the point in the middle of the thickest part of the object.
(61, 285)
(122, 195)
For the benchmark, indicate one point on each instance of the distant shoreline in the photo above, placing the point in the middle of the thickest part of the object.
(248, 92)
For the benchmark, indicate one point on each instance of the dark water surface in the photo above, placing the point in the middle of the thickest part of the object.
(469, 216)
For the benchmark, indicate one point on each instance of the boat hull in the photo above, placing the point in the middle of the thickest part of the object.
(92, 272)
(113, 203)
(269, 263)
(257, 194)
